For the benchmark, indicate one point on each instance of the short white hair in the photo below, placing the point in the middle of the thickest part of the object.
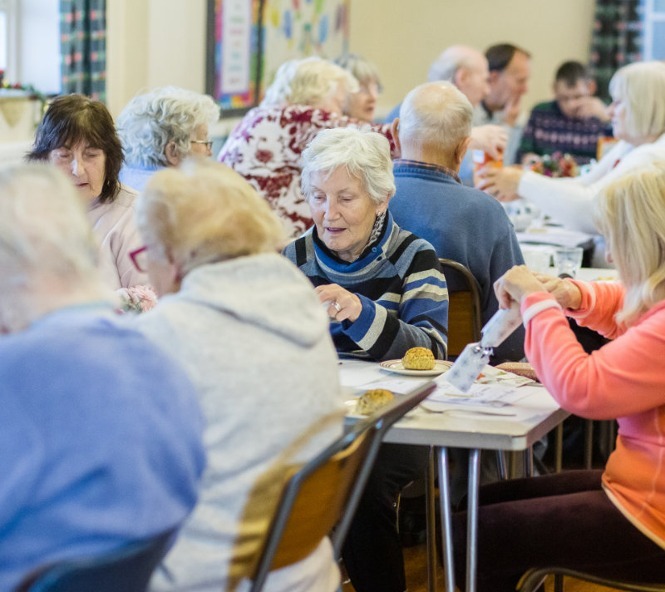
(642, 87)
(44, 232)
(309, 81)
(167, 114)
(365, 156)
(436, 114)
(364, 71)
(451, 60)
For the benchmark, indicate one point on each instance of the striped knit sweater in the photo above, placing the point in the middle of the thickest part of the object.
(400, 285)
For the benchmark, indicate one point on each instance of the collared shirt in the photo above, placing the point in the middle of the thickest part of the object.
(428, 166)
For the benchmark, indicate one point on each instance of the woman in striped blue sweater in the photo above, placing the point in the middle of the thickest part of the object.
(385, 292)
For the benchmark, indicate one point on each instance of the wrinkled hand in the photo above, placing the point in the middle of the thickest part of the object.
(512, 109)
(342, 305)
(515, 284)
(502, 183)
(592, 107)
(567, 294)
(490, 138)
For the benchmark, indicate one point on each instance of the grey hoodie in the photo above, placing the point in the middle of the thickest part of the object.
(254, 339)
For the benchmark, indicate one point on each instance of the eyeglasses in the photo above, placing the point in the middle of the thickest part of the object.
(138, 258)
(207, 143)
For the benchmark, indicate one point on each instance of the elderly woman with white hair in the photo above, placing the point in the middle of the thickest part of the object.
(638, 119)
(362, 103)
(385, 293)
(250, 332)
(160, 128)
(265, 147)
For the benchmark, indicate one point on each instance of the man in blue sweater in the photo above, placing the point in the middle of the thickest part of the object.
(462, 223)
(100, 432)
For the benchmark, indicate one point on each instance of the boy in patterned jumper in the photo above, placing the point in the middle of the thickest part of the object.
(571, 124)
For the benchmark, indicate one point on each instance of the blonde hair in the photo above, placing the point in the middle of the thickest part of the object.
(642, 87)
(314, 79)
(44, 235)
(631, 214)
(202, 212)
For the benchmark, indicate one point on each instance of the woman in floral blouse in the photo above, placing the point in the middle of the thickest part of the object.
(265, 147)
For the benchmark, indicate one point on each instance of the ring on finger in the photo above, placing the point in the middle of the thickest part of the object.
(336, 305)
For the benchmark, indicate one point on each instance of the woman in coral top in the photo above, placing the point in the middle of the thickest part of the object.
(612, 522)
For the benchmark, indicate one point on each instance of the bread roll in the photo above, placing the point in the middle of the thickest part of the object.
(418, 358)
(372, 400)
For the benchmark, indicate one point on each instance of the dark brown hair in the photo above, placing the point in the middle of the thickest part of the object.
(72, 119)
(499, 56)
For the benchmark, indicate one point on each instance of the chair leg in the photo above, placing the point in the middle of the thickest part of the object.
(558, 583)
(558, 449)
(588, 443)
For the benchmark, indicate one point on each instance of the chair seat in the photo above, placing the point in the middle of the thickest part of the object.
(533, 578)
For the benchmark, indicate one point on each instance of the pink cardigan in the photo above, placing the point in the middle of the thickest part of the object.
(624, 380)
(115, 228)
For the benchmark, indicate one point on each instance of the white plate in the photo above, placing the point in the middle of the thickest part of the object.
(396, 366)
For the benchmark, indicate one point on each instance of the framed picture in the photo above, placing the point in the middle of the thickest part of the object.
(249, 39)
(234, 52)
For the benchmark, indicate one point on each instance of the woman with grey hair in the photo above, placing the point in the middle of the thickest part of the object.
(160, 128)
(361, 104)
(638, 119)
(265, 147)
(385, 293)
(249, 330)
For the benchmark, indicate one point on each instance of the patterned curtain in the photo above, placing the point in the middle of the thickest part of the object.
(83, 47)
(616, 40)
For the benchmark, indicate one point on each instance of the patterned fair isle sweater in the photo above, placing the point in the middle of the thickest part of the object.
(549, 130)
(400, 285)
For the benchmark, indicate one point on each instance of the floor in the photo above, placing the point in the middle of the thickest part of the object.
(416, 574)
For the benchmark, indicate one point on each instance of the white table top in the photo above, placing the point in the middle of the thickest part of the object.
(535, 415)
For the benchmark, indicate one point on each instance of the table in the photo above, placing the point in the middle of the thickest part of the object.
(536, 415)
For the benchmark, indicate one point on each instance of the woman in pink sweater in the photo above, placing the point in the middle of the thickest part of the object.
(610, 523)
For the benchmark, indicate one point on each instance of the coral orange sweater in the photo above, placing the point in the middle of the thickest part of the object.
(624, 380)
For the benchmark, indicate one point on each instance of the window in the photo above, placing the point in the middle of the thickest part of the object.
(8, 37)
(30, 43)
(654, 29)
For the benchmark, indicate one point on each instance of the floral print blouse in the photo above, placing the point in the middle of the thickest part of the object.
(265, 148)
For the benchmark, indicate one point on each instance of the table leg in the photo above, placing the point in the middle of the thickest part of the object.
(431, 523)
(472, 520)
(446, 520)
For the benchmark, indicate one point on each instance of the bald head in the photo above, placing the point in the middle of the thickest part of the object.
(466, 68)
(435, 117)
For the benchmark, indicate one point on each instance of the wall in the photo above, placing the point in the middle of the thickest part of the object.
(154, 42)
(403, 38)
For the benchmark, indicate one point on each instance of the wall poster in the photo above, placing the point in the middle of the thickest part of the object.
(249, 39)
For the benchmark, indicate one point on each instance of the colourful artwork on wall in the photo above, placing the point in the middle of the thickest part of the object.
(249, 39)
(234, 52)
(301, 28)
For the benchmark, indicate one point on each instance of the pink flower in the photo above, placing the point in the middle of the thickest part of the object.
(137, 298)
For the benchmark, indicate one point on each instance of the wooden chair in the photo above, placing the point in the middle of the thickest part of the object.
(325, 491)
(128, 569)
(533, 579)
(464, 311)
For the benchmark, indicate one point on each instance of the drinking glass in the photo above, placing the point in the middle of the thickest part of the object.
(568, 260)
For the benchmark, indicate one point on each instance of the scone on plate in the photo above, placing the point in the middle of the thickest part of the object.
(372, 400)
(418, 358)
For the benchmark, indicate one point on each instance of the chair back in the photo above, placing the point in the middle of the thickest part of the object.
(533, 579)
(464, 312)
(128, 569)
(325, 491)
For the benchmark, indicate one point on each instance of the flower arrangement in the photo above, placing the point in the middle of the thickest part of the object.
(556, 165)
(137, 298)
